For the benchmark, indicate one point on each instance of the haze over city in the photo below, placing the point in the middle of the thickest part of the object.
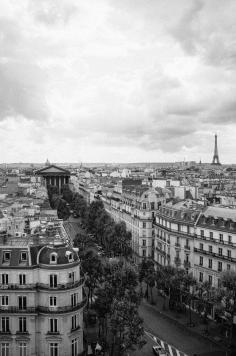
(117, 81)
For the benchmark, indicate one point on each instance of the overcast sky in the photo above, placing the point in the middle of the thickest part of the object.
(117, 80)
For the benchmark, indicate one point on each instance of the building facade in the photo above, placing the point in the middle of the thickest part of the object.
(201, 240)
(55, 176)
(41, 300)
(136, 206)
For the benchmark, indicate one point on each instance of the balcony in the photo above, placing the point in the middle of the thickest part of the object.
(62, 310)
(5, 332)
(18, 286)
(53, 333)
(177, 245)
(75, 329)
(214, 254)
(22, 333)
(17, 310)
(64, 286)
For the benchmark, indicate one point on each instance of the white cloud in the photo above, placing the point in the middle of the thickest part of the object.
(116, 81)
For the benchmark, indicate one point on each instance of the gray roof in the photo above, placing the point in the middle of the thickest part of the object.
(218, 212)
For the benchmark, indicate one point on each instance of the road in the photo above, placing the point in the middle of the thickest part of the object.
(173, 334)
(158, 325)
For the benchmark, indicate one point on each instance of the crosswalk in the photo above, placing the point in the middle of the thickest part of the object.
(169, 349)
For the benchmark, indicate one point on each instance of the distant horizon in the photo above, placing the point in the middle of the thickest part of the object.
(111, 163)
(114, 81)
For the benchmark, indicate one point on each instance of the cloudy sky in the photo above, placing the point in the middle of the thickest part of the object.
(117, 81)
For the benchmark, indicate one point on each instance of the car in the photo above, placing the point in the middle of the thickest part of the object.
(159, 351)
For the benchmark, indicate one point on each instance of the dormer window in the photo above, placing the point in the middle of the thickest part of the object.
(53, 258)
(70, 256)
(23, 257)
(6, 256)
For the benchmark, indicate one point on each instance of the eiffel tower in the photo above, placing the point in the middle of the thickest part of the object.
(216, 160)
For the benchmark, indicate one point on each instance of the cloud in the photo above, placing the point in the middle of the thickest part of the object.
(116, 80)
(52, 12)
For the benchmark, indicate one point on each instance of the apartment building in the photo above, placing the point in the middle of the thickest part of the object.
(174, 235)
(200, 239)
(136, 206)
(41, 300)
(214, 244)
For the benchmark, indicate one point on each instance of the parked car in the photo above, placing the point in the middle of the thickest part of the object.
(158, 350)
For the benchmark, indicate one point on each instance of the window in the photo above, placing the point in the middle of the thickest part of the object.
(70, 257)
(210, 263)
(229, 253)
(6, 256)
(22, 302)
(5, 349)
(219, 266)
(4, 278)
(72, 276)
(152, 205)
(201, 246)
(22, 324)
(4, 300)
(200, 277)
(144, 253)
(210, 280)
(228, 267)
(74, 321)
(220, 251)
(23, 256)
(53, 257)
(74, 299)
(230, 239)
(210, 248)
(202, 233)
(211, 235)
(53, 325)
(22, 279)
(53, 280)
(53, 349)
(144, 206)
(144, 225)
(52, 301)
(201, 261)
(5, 324)
(23, 348)
(221, 237)
(144, 242)
(74, 347)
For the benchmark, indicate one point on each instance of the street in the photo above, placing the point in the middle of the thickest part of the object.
(156, 324)
(173, 334)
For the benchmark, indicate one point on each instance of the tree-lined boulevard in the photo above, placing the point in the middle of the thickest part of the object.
(123, 296)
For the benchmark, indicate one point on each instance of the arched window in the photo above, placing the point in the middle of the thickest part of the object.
(53, 257)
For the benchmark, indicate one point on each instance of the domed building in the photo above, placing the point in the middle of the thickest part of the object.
(41, 300)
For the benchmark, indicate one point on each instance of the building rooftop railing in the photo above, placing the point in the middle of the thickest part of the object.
(64, 286)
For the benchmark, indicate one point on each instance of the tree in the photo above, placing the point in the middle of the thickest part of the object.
(228, 302)
(82, 241)
(63, 210)
(94, 211)
(80, 207)
(147, 274)
(92, 267)
(67, 194)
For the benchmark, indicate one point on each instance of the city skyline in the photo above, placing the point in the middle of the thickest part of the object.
(116, 81)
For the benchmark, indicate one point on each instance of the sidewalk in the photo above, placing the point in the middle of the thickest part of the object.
(212, 332)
